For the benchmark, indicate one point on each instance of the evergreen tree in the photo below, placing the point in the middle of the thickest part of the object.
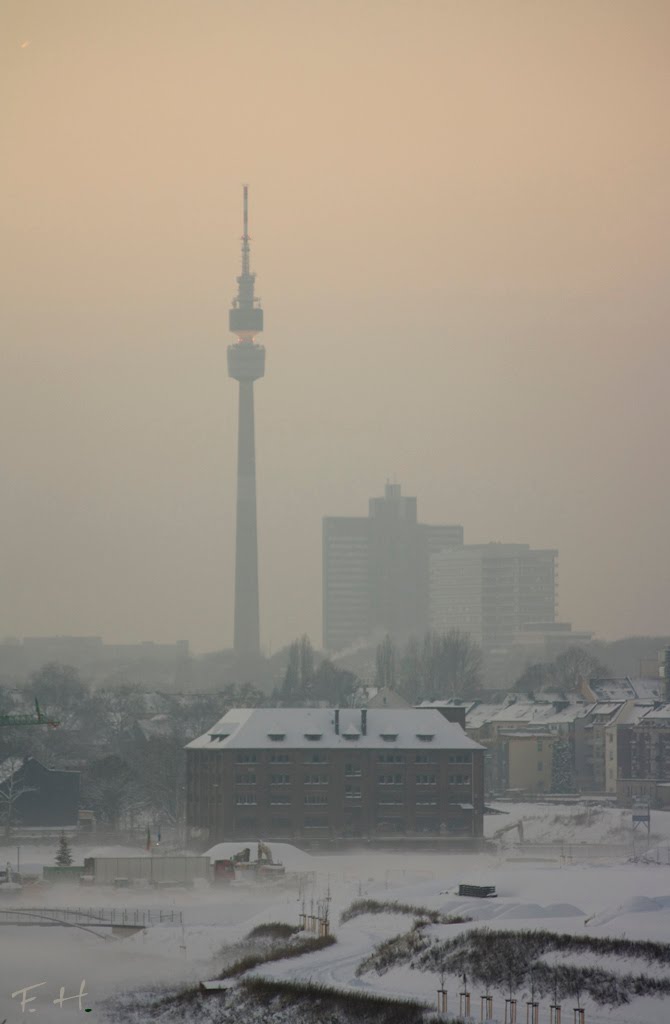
(64, 855)
(562, 768)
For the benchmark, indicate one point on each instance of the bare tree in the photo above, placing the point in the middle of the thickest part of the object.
(577, 664)
(12, 788)
(444, 665)
(386, 664)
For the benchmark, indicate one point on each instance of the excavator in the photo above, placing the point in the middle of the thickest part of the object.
(518, 825)
(265, 865)
(241, 865)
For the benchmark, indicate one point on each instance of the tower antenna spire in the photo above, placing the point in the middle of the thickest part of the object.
(245, 236)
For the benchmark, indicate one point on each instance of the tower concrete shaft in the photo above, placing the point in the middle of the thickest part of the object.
(246, 363)
(247, 625)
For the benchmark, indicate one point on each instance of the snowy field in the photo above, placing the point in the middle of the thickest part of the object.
(601, 896)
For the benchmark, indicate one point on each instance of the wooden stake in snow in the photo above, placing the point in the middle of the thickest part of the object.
(486, 1007)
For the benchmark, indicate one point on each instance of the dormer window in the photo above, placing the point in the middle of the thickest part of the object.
(313, 735)
(218, 736)
(351, 733)
(389, 737)
(276, 736)
(426, 737)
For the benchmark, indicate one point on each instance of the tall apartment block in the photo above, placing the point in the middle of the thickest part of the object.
(376, 571)
(492, 591)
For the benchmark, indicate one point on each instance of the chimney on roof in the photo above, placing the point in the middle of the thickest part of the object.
(364, 721)
(337, 721)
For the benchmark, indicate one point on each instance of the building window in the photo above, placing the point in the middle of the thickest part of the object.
(390, 758)
(245, 798)
(352, 769)
(390, 780)
(352, 792)
(426, 803)
(390, 801)
(539, 746)
(276, 799)
(540, 766)
(245, 779)
(283, 824)
(316, 758)
(280, 780)
(316, 821)
(459, 780)
(245, 758)
(427, 759)
(425, 780)
(316, 780)
(458, 758)
(316, 798)
(279, 758)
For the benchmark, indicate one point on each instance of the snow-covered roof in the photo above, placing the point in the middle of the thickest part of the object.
(568, 714)
(315, 728)
(661, 712)
(627, 689)
(452, 702)
(649, 689)
(540, 711)
(632, 712)
(606, 709)
(480, 715)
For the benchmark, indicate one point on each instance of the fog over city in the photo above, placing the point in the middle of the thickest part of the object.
(334, 635)
(459, 221)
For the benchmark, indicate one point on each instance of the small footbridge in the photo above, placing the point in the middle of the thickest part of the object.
(120, 921)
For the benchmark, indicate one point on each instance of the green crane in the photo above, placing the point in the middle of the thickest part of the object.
(39, 718)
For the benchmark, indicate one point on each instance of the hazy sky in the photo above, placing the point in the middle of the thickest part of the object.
(460, 222)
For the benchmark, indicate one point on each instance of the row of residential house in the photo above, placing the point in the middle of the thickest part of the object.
(614, 738)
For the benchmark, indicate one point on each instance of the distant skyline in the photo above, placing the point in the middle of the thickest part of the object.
(461, 228)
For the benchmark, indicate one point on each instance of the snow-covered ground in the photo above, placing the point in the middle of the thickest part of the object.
(603, 897)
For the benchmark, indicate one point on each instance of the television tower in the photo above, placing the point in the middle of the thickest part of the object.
(246, 363)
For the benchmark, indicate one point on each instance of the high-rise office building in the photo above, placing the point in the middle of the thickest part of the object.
(492, 591)
(376, 571)
(246, 363)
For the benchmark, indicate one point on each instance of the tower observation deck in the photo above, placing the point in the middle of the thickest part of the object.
(246, 363)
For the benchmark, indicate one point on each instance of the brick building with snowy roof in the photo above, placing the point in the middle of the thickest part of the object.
(329, 774)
